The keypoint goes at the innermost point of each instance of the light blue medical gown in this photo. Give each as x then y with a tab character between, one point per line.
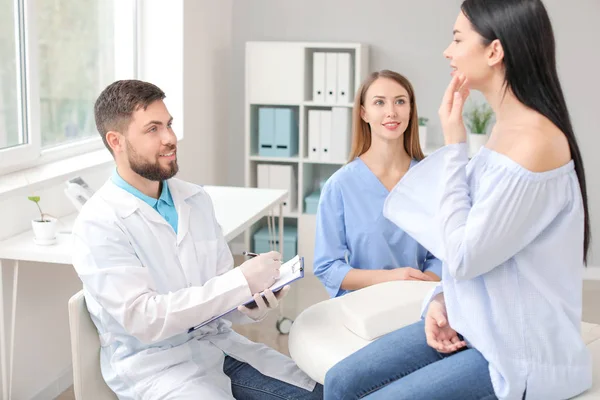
350	222
511	242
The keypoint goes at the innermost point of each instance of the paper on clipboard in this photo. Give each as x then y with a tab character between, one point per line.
289	272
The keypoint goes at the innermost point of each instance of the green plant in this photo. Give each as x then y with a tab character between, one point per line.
36	200
423	121
478	118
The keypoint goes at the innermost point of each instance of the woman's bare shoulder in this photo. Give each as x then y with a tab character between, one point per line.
540	148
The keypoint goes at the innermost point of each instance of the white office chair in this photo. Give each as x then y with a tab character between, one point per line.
88	383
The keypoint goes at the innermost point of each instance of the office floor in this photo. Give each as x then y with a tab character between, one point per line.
309	291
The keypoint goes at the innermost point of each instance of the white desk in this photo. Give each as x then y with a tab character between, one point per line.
236	209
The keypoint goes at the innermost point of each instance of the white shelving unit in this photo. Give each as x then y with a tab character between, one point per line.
280	74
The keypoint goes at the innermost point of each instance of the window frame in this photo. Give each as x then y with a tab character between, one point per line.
126	15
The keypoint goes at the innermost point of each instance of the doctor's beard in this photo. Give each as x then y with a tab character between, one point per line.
151	171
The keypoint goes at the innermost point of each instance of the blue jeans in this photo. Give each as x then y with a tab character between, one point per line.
400	365
249	384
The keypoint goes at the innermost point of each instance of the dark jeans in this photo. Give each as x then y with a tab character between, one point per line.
249	384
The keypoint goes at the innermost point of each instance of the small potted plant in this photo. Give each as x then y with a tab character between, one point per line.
44	228
477	120
423	132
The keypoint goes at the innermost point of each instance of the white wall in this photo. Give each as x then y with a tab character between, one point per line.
577	31
409	37
161	52
207	109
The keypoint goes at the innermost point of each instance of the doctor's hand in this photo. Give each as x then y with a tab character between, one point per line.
262	308
261	271
438	332
408	274
451	110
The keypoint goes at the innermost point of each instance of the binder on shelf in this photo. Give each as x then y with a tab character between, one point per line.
340	133
275	176
284	177
331	78
266	131
314	133
262	176
286	133
344	78
325	139
319	77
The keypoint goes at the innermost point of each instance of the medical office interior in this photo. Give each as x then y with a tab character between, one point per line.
242	80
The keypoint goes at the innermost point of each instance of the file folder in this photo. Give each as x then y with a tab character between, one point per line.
266	131
319	77
314	133
283	177
262	176
331	78
340	133
275	176
326	142
286	133
344	79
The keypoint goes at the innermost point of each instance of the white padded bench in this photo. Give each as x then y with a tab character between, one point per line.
328	332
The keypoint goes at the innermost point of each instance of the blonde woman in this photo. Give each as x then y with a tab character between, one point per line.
356	246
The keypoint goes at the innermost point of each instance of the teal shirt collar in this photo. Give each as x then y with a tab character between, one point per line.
165	194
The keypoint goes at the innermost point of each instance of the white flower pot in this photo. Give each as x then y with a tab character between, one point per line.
44	233
423	137
476	141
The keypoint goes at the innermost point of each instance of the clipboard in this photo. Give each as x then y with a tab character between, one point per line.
290	271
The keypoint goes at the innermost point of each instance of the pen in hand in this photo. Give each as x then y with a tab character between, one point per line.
252	255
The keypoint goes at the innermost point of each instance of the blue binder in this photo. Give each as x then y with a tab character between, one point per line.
266	132
286	132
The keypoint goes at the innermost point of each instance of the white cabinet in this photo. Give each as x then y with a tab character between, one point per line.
299	76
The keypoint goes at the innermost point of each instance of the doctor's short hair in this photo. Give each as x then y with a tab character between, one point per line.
117	103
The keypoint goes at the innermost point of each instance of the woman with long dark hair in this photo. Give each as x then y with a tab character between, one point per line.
511	226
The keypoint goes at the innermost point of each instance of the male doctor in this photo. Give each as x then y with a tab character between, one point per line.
154	263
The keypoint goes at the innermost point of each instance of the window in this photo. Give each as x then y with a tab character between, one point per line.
55	58
11	134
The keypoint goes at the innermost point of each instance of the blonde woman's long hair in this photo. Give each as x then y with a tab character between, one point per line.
361	131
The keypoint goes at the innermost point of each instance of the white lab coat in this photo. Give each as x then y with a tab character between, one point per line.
145	287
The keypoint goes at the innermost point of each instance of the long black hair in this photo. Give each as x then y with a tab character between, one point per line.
525	32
